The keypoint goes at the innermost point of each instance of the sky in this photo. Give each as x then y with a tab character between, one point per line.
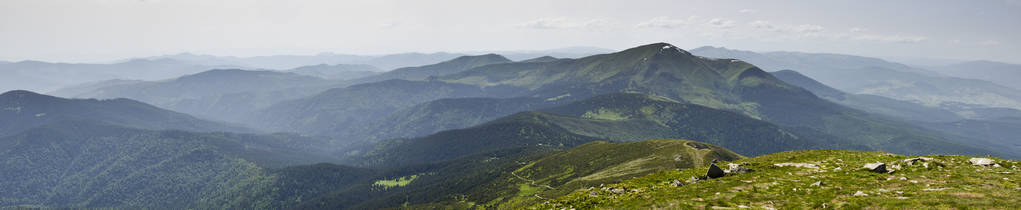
107	30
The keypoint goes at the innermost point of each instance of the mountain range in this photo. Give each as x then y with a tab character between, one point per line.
863	75
637	128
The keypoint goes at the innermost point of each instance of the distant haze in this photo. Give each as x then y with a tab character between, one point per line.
107	30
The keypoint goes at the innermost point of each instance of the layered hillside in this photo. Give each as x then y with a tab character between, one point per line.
225	94
23	110
86	164
617	117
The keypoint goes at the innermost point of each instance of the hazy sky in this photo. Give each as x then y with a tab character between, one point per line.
103	30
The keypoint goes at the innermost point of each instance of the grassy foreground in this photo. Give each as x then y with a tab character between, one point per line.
840	181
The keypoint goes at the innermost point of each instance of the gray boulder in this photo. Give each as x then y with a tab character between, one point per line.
877	167
981	161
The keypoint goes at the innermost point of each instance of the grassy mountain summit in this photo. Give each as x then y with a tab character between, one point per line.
21	110
819	179
596	163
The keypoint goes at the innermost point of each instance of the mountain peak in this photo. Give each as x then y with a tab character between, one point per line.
658	49
20	94
490	57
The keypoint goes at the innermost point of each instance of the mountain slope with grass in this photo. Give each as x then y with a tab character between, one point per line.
594	164
664	70
659	69
616	117
818	179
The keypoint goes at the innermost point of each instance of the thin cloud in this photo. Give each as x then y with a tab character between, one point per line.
722	23
565	23
666	23
989	43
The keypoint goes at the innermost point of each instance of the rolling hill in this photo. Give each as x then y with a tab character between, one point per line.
1000	73
45	76
659	69
87	164
863	75
616	117
23	110
337	71
439	69
870	103
224	94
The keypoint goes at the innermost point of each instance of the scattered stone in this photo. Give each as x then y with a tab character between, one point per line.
816	184
895	167
593	194
996	165
800	165
737	168
692	180
903	178
714	171
912	161
981	161
676	183
877	167
617	190
860	194
935	189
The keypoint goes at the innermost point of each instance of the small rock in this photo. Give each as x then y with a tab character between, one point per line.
935	189
981	161
714	171
876	167
676	183
996	165
593	194
912	161
617	190
816	184
737	169
860	194
903	178
692	180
